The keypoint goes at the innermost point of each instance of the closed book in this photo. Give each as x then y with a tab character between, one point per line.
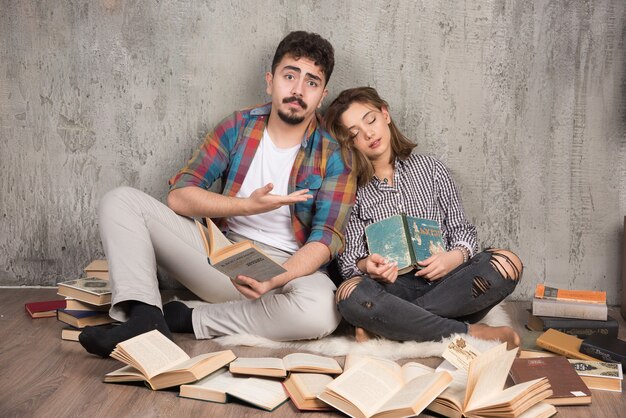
581	328
589	296
605	348
44	309
563	344
70	333
81	319
567	387
599	375
79	305
568	309
89	289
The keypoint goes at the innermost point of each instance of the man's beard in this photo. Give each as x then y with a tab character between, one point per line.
292	119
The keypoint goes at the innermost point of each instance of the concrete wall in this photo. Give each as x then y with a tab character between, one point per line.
523	100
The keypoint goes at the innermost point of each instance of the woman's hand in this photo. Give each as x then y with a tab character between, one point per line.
379	268
438	265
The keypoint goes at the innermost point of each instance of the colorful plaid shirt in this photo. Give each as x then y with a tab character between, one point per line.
226	155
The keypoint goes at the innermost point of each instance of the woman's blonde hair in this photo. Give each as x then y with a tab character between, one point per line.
401	146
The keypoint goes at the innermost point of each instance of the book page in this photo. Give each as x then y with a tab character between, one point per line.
412	370
266	393
310	362
368	385
310	384
217	240
455	392
421	391
220	381
152	353
487	374
507	395
257	363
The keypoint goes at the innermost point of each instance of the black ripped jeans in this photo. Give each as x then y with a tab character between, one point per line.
412	308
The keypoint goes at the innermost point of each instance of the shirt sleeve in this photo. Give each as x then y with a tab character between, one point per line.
460	231
333	204
211	159
356	247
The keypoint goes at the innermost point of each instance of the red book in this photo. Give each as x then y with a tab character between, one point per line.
44	309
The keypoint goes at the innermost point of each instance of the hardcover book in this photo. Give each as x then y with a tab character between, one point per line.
405	240
156	360
223	387
276	367
569	309
605	348
234	259
82	319
586	296
97	268
567	387
44	309
580	328
92	290
599	374
563	344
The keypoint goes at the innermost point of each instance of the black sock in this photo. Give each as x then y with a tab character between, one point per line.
178	316
142	318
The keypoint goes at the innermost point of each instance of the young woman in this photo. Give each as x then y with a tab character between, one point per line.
454	289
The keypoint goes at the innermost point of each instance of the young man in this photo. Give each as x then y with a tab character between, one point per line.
284	186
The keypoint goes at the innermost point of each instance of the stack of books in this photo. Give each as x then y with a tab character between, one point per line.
87	301
581	313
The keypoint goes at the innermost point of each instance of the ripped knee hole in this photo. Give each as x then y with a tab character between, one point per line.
507	264
346	288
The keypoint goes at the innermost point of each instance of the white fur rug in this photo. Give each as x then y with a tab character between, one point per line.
342	342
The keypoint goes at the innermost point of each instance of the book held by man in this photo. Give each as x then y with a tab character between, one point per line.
156	360
239	258
405	240
276	367
222	387
480	391
377	388
89	289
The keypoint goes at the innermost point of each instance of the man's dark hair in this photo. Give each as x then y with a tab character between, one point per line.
308	45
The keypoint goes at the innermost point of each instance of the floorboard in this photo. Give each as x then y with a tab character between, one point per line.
44	376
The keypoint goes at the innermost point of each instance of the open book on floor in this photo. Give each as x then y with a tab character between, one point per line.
304	388
158	361
276	367
405	240
221	386
239	258
381	388
480	391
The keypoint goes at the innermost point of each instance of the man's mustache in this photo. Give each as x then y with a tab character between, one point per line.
295	99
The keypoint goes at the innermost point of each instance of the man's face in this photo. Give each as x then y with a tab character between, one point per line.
297	88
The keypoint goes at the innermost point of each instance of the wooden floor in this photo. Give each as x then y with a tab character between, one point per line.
43	376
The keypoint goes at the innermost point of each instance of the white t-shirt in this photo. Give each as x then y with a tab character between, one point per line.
269	165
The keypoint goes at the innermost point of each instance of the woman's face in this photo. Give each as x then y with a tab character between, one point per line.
368	129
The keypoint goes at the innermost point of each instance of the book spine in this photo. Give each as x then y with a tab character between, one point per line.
585	332
407	235
558	350
581	328
603	354
574	310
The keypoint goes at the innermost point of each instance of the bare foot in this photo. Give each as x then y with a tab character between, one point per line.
504	334
361	335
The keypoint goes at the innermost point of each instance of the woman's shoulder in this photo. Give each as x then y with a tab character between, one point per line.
425	162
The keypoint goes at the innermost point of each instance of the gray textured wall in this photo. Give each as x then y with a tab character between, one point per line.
524	100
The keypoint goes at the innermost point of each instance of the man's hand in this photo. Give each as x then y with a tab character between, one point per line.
250	288
438	265
379	268
261	201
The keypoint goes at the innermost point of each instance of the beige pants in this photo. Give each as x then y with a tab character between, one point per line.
138	233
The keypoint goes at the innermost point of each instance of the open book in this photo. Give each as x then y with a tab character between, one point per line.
381	388
239	258
266	394
404	239
160	363
276	367
304	388
480	390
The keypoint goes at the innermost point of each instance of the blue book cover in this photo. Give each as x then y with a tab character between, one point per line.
405	240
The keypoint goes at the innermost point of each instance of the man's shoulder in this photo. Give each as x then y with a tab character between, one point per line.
256	111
